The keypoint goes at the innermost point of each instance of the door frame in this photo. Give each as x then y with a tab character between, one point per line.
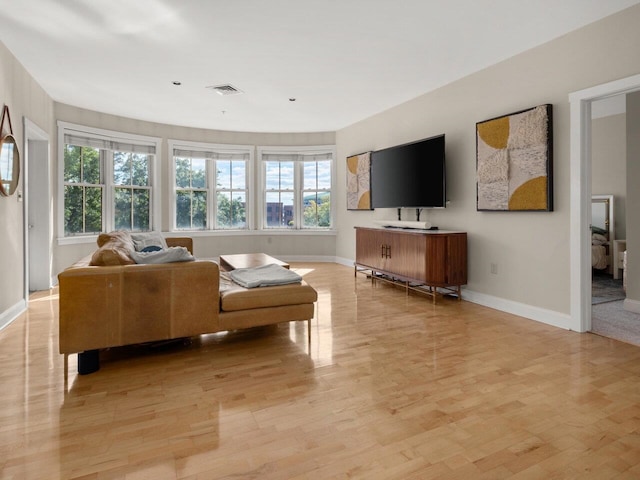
580	194
33	132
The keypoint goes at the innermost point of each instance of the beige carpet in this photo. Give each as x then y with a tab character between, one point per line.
611	320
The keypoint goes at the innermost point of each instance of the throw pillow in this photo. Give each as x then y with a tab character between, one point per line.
168	255
148	239
114	249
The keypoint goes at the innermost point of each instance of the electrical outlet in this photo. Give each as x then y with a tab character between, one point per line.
494	268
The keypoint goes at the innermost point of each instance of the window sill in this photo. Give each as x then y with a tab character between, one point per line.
236	233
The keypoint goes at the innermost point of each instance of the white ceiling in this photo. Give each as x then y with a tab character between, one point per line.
342	60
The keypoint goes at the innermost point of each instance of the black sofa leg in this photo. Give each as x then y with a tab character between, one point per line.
88	362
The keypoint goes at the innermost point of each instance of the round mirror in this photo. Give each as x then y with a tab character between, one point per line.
9	165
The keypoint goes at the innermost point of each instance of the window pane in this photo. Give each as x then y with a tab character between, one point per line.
141	210
72	163
183	209
93	210
191	172
73	211
231	212
183	172
279	209
223	174
317	175
272	175
287	205
121	168
131	168
122	205
140	169
91	166
286	176
317	209
310	176
324	174
199	210
82	210
239	175
198	173
279	175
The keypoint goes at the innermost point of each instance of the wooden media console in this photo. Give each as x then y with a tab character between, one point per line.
421	260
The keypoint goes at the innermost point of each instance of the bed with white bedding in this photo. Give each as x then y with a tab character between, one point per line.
600	248
602	233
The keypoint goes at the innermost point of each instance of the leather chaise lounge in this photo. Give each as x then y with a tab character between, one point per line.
115	302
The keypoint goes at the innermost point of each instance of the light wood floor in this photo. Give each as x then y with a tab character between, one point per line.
392	387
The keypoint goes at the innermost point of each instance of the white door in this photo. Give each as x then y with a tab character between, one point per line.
38	209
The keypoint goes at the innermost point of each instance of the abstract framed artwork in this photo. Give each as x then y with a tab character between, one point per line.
359	182
514	161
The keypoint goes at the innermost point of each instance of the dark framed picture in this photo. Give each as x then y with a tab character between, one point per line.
514	161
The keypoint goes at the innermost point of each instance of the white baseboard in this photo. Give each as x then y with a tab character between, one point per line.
631	305
344	261
12	313
550	317
306	258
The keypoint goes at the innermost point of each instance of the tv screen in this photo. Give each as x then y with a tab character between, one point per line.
410	175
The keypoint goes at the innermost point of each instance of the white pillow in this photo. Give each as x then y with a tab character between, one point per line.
148	239
168	255
597	239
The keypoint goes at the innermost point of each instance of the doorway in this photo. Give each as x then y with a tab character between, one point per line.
581	177
37	209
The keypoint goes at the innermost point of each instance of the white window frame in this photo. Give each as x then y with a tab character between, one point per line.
211	185
298	186
155	198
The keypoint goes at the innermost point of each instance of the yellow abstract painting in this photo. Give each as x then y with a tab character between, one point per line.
514	161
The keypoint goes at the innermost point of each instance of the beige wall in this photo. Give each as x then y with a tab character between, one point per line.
212	245
609	165
633	201
531	249
25	98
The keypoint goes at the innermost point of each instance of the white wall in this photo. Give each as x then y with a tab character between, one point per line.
531	249
609	165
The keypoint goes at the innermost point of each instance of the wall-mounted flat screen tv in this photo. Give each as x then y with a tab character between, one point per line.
411	175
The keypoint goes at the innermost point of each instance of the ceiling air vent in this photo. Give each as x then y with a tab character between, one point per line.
225	89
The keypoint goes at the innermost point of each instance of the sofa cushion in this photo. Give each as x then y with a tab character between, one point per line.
233	297
114	249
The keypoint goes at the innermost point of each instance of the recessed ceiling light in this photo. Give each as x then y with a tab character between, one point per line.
292	99
176	83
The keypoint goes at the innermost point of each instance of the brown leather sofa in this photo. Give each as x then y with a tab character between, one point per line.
123	304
